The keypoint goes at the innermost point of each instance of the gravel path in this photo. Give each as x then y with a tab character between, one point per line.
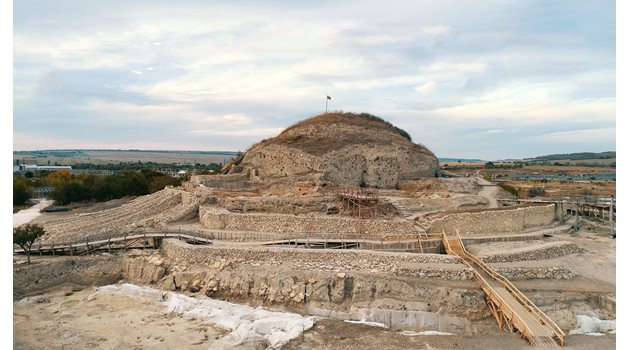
488	191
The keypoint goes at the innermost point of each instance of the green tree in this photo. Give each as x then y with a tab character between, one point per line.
22	191
25	236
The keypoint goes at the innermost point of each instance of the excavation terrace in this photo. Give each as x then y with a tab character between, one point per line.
362	229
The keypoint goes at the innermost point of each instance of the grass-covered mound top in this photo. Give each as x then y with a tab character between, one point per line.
349	118
333	131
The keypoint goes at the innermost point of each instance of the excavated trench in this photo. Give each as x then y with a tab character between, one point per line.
403	303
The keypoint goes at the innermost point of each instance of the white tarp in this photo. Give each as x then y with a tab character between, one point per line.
413	334
590	325
246	323
368	323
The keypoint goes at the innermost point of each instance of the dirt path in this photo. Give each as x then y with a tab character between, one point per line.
488	191
25	216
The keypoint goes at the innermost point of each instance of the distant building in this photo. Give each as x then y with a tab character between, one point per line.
33	167
101	172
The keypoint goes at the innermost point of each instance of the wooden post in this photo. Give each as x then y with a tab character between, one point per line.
87	247
53	248
610	215
144	241
40	248
109	245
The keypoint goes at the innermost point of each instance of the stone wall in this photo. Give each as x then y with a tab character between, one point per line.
222	219
548	250
400	302
231	181
403	264
361	165
281	205
497	220
528	273
285	161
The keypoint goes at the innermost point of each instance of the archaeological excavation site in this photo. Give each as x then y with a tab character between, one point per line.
342	222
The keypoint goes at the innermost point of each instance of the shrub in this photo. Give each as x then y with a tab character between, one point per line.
22	192
535	192
509	189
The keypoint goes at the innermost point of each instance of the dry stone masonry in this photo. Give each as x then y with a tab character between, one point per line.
404	264
498	220
221	219
542	251
529	273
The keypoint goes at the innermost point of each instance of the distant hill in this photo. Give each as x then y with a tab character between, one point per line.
575	156
462	160
70	152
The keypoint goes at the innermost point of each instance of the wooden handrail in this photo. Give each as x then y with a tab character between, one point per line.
514	291
126	238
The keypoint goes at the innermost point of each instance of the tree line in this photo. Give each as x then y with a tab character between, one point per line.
68	188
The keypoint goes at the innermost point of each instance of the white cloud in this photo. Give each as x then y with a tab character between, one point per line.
593	136
437	30
425	88
260	132
233	66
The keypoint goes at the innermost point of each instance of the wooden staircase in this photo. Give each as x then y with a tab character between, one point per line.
511	308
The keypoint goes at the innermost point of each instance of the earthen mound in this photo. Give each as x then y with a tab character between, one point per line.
346	149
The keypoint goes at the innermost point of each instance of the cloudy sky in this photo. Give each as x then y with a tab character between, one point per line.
477	79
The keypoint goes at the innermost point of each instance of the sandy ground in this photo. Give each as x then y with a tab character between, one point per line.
596	264
73	321
334	335
76	320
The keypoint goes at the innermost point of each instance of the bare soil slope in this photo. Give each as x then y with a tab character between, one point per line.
347	149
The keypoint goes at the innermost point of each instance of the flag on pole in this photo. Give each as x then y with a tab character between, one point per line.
328	98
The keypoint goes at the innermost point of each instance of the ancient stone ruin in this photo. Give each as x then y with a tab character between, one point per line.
345	149
284	232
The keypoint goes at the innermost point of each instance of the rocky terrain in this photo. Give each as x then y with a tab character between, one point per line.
346	149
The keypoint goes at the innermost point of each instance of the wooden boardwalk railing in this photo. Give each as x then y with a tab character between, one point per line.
141	240
511	308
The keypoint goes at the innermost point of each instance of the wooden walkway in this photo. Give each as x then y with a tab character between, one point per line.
142	240
511	308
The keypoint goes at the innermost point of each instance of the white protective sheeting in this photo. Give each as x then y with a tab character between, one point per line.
246	323
590	325
413	334
368	323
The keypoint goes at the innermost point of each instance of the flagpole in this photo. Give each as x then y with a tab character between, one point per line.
326	104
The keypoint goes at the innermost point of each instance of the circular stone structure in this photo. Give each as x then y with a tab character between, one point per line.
347	149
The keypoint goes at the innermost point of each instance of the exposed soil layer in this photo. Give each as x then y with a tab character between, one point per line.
332	334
